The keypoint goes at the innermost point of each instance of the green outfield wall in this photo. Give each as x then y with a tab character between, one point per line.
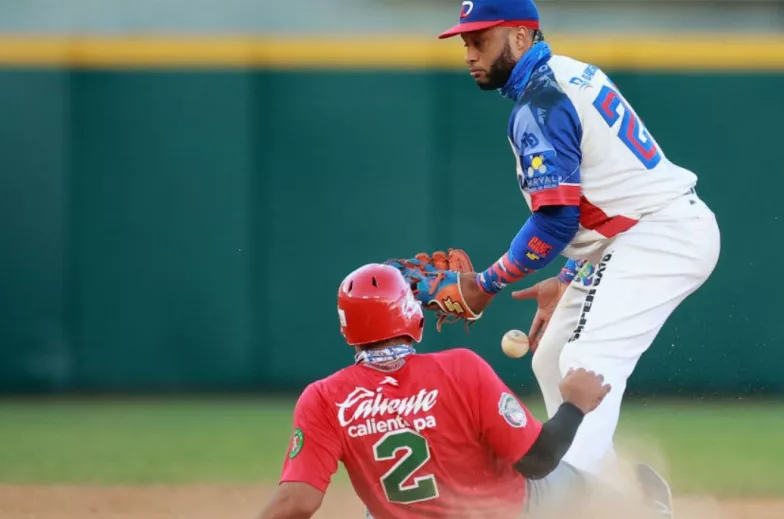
174	227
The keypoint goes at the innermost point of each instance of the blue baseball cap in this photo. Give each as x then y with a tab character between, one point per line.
477	15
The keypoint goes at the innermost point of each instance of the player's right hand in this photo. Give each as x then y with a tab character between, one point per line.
584	389
547	293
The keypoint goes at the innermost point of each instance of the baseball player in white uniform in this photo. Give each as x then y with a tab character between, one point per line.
602	193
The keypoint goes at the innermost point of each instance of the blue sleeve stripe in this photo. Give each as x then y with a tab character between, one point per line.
543	237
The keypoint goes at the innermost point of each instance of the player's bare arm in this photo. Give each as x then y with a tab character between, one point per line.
310	462
293	501
582	392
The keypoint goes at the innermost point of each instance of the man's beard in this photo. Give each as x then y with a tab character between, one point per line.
500	71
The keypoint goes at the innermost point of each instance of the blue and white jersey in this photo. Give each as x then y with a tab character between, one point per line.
577	141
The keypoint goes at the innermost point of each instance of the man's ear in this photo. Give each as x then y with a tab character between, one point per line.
523	39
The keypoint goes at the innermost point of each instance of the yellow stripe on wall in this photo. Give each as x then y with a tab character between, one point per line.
388	52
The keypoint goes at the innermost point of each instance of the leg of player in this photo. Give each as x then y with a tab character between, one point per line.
655	489
647	272
545	362
569	492
555	495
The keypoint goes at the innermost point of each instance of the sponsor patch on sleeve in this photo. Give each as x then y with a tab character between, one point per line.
297	439
540	171
512	411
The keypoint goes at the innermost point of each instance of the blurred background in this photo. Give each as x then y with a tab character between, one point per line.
182	190
183	185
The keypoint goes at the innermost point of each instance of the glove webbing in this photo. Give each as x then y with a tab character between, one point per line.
443	317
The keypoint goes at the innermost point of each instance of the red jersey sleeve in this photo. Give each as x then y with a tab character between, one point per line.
505	424
315	449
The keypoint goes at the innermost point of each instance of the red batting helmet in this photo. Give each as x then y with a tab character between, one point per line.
375	303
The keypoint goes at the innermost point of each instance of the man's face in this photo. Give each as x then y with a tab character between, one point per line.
491	55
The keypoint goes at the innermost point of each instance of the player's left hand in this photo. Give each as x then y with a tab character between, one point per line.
547	293
437	283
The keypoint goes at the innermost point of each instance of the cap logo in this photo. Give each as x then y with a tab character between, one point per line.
465	8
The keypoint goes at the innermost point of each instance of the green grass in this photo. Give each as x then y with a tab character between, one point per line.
147	442
719	448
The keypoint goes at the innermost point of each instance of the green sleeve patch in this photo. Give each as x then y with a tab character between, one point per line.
297	439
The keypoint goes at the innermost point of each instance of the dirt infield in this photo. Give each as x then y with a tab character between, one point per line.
222	502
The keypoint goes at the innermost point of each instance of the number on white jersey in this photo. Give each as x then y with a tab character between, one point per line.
632	132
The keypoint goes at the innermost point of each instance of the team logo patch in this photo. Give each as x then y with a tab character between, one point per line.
539	169
512	411
297	439
466	8
584	274
537	164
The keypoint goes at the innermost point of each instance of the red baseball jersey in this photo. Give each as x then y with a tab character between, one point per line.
434	439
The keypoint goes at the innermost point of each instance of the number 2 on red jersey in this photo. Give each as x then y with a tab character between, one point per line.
416	453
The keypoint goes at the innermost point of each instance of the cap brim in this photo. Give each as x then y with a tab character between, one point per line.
462	28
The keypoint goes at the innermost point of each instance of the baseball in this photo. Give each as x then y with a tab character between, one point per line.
514	344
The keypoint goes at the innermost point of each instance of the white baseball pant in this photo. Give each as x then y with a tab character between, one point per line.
642	276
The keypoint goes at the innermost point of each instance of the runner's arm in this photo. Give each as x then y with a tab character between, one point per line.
310	462
293	501
554	440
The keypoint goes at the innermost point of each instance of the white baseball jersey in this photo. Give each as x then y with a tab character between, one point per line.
577	141
651	242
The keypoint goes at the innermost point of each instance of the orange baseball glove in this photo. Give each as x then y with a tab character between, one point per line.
434	279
